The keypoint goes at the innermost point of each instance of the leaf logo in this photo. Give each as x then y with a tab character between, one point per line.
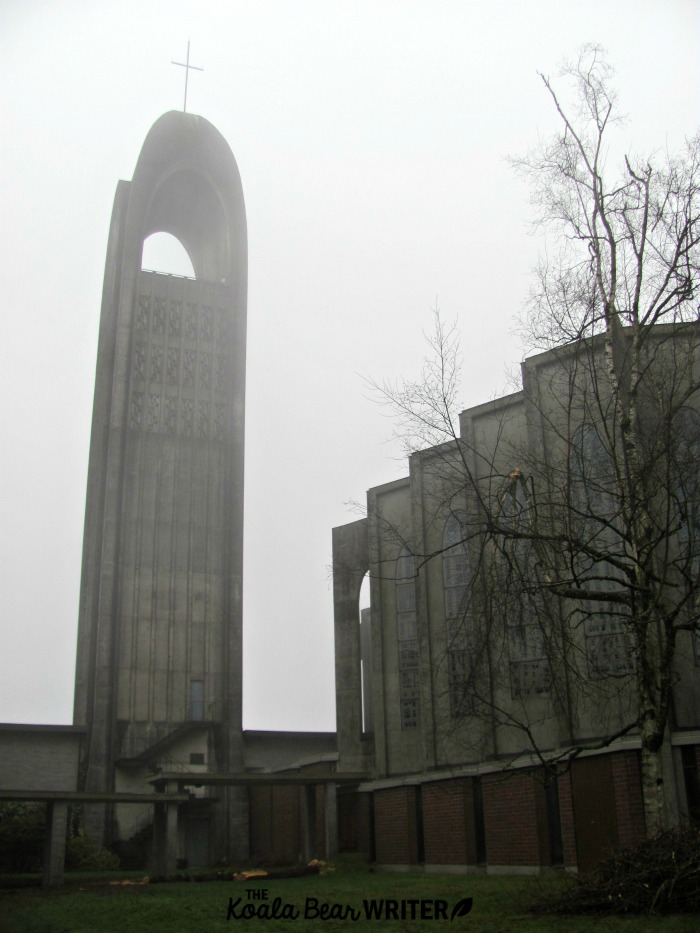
462	908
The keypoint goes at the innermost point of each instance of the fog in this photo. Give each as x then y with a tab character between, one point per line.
372	139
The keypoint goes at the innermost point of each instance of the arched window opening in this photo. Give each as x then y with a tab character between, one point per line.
366	656
162	252
407	629
458	617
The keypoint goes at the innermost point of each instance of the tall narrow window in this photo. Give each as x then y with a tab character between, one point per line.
686	493
530	672
608	643
366	669
196	699
408	638
458	619
592	477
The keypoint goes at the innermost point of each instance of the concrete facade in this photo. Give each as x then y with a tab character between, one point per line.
288	785
43	759
456	782
159	640
40	758
422	776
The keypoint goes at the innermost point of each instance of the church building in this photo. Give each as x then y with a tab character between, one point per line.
497	724
452	695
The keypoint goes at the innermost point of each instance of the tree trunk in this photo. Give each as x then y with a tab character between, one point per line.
653	788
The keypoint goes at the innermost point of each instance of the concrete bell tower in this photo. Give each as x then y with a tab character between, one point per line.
159	639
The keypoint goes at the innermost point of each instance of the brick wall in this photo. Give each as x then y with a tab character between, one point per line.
513	820
516	822
448	823
395	826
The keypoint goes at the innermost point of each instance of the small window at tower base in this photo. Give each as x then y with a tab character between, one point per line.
196	699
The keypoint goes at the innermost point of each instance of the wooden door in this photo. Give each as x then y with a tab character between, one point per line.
595	819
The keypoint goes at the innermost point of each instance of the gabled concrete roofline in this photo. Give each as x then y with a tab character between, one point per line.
485	408
344	528
660	330
438	449
390	486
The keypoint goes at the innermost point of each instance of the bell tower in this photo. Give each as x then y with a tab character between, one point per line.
159	638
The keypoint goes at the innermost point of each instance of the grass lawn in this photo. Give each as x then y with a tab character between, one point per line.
499	904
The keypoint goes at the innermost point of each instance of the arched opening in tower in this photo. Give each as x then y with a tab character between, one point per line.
163	252
365	655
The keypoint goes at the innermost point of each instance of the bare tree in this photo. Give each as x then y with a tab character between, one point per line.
583	529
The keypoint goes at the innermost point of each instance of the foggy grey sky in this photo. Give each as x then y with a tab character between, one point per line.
371	139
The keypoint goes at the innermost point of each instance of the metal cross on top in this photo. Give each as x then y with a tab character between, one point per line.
186	65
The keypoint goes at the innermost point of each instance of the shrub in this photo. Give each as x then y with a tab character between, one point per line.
662	875
22	832
82	854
